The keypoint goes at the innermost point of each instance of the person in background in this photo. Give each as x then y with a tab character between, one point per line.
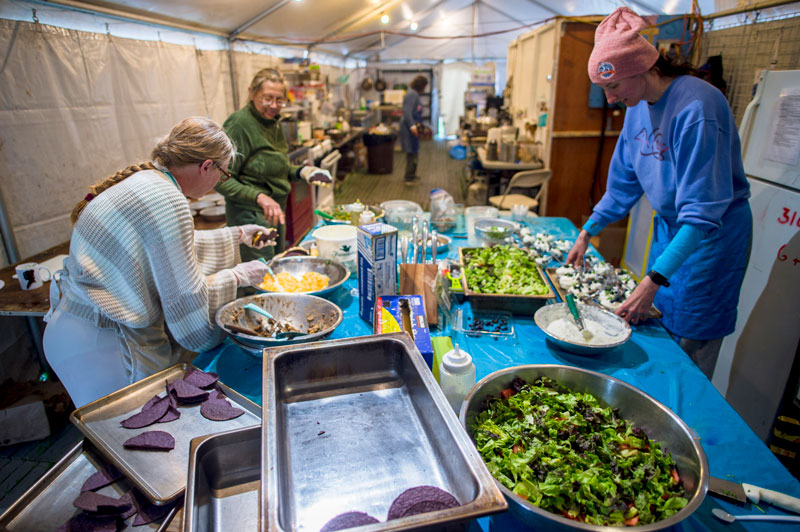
680	147
411	126
261	171
140	287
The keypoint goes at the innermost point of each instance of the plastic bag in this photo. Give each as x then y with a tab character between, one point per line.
458	152
443	210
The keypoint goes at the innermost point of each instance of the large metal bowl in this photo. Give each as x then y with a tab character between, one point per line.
299	265
658	421
299	310
611	324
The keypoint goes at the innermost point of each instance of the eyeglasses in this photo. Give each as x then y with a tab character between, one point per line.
225	174
269	100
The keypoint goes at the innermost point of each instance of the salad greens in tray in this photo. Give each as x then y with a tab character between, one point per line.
502	269
563	452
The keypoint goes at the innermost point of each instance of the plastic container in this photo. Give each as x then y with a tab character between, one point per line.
400	213
366	217
473	213
338	242
456	376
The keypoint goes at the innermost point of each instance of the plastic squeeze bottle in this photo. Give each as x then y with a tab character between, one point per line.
456	376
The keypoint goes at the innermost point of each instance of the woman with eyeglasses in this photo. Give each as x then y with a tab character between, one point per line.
140	287
262	173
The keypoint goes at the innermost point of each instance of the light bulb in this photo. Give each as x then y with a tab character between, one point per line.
414	26
385	18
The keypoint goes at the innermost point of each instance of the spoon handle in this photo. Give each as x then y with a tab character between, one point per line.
782	518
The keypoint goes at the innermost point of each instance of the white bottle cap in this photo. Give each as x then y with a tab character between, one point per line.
456	361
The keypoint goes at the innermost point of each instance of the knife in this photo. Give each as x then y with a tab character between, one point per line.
740	493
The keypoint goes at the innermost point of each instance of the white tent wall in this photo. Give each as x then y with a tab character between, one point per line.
455	78
77	106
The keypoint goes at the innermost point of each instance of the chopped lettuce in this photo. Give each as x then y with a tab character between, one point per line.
503	270
564	452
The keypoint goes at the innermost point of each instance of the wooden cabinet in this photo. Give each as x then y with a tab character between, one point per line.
550	88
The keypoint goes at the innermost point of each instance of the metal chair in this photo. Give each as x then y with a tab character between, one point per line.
526	179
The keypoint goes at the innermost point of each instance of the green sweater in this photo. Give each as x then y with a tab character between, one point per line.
261	164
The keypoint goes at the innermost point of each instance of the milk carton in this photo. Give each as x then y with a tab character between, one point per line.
377	266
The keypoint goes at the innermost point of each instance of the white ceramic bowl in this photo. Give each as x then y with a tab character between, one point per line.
615	328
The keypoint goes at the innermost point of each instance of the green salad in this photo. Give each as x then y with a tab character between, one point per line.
563	452
502	270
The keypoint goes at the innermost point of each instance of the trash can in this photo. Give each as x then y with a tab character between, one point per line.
380	153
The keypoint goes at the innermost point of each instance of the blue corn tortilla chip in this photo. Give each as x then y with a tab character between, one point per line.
201	379
348	520
219	410
104	477
171	415
187	393
412	499
151	412
84	522
153	440
149	512
100	504
128	497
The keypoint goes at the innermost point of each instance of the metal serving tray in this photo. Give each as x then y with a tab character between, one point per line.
48	503
355	422
518	304
224	484
160	476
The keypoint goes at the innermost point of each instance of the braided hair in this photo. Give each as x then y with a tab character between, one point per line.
193	140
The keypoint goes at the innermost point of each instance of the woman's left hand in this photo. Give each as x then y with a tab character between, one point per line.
315	176
257	236
637	307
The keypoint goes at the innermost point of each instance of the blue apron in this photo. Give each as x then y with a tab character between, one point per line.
701	301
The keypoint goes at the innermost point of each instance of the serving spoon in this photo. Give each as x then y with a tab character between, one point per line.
573	308
722	515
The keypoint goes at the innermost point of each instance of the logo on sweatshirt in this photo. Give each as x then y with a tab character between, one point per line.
605	70
652	143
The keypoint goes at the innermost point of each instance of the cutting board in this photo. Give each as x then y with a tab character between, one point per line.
420	279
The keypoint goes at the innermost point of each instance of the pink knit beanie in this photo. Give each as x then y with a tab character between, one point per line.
619	51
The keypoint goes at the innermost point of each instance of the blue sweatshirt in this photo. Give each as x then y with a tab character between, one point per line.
683	152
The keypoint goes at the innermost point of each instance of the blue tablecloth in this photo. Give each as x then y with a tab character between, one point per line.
651	361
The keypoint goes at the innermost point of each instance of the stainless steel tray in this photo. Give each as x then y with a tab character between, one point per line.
160	476
48	503
355	422
224	483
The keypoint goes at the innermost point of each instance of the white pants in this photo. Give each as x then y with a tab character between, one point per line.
87	359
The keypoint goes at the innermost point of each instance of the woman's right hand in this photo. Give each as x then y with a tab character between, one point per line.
578	251
272	210
250	273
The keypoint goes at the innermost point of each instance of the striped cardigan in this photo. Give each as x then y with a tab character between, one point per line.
135	260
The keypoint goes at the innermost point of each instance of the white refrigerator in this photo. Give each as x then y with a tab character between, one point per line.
754	361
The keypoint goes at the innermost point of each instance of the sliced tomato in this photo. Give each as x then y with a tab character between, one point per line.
505	394
632	521
675	475
517	448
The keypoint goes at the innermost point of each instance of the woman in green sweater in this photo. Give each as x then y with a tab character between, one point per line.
261	171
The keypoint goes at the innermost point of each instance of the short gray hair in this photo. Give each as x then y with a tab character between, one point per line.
266	74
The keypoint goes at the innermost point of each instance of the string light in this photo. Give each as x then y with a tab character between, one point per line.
385	18
413	26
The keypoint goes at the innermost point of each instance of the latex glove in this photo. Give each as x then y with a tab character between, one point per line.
316	176
257	236
250	273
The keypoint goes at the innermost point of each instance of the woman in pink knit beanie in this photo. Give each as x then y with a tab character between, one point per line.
680	148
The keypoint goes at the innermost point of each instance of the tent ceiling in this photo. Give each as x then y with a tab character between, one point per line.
447	29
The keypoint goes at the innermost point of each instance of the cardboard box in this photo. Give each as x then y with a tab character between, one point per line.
377	266
404	313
